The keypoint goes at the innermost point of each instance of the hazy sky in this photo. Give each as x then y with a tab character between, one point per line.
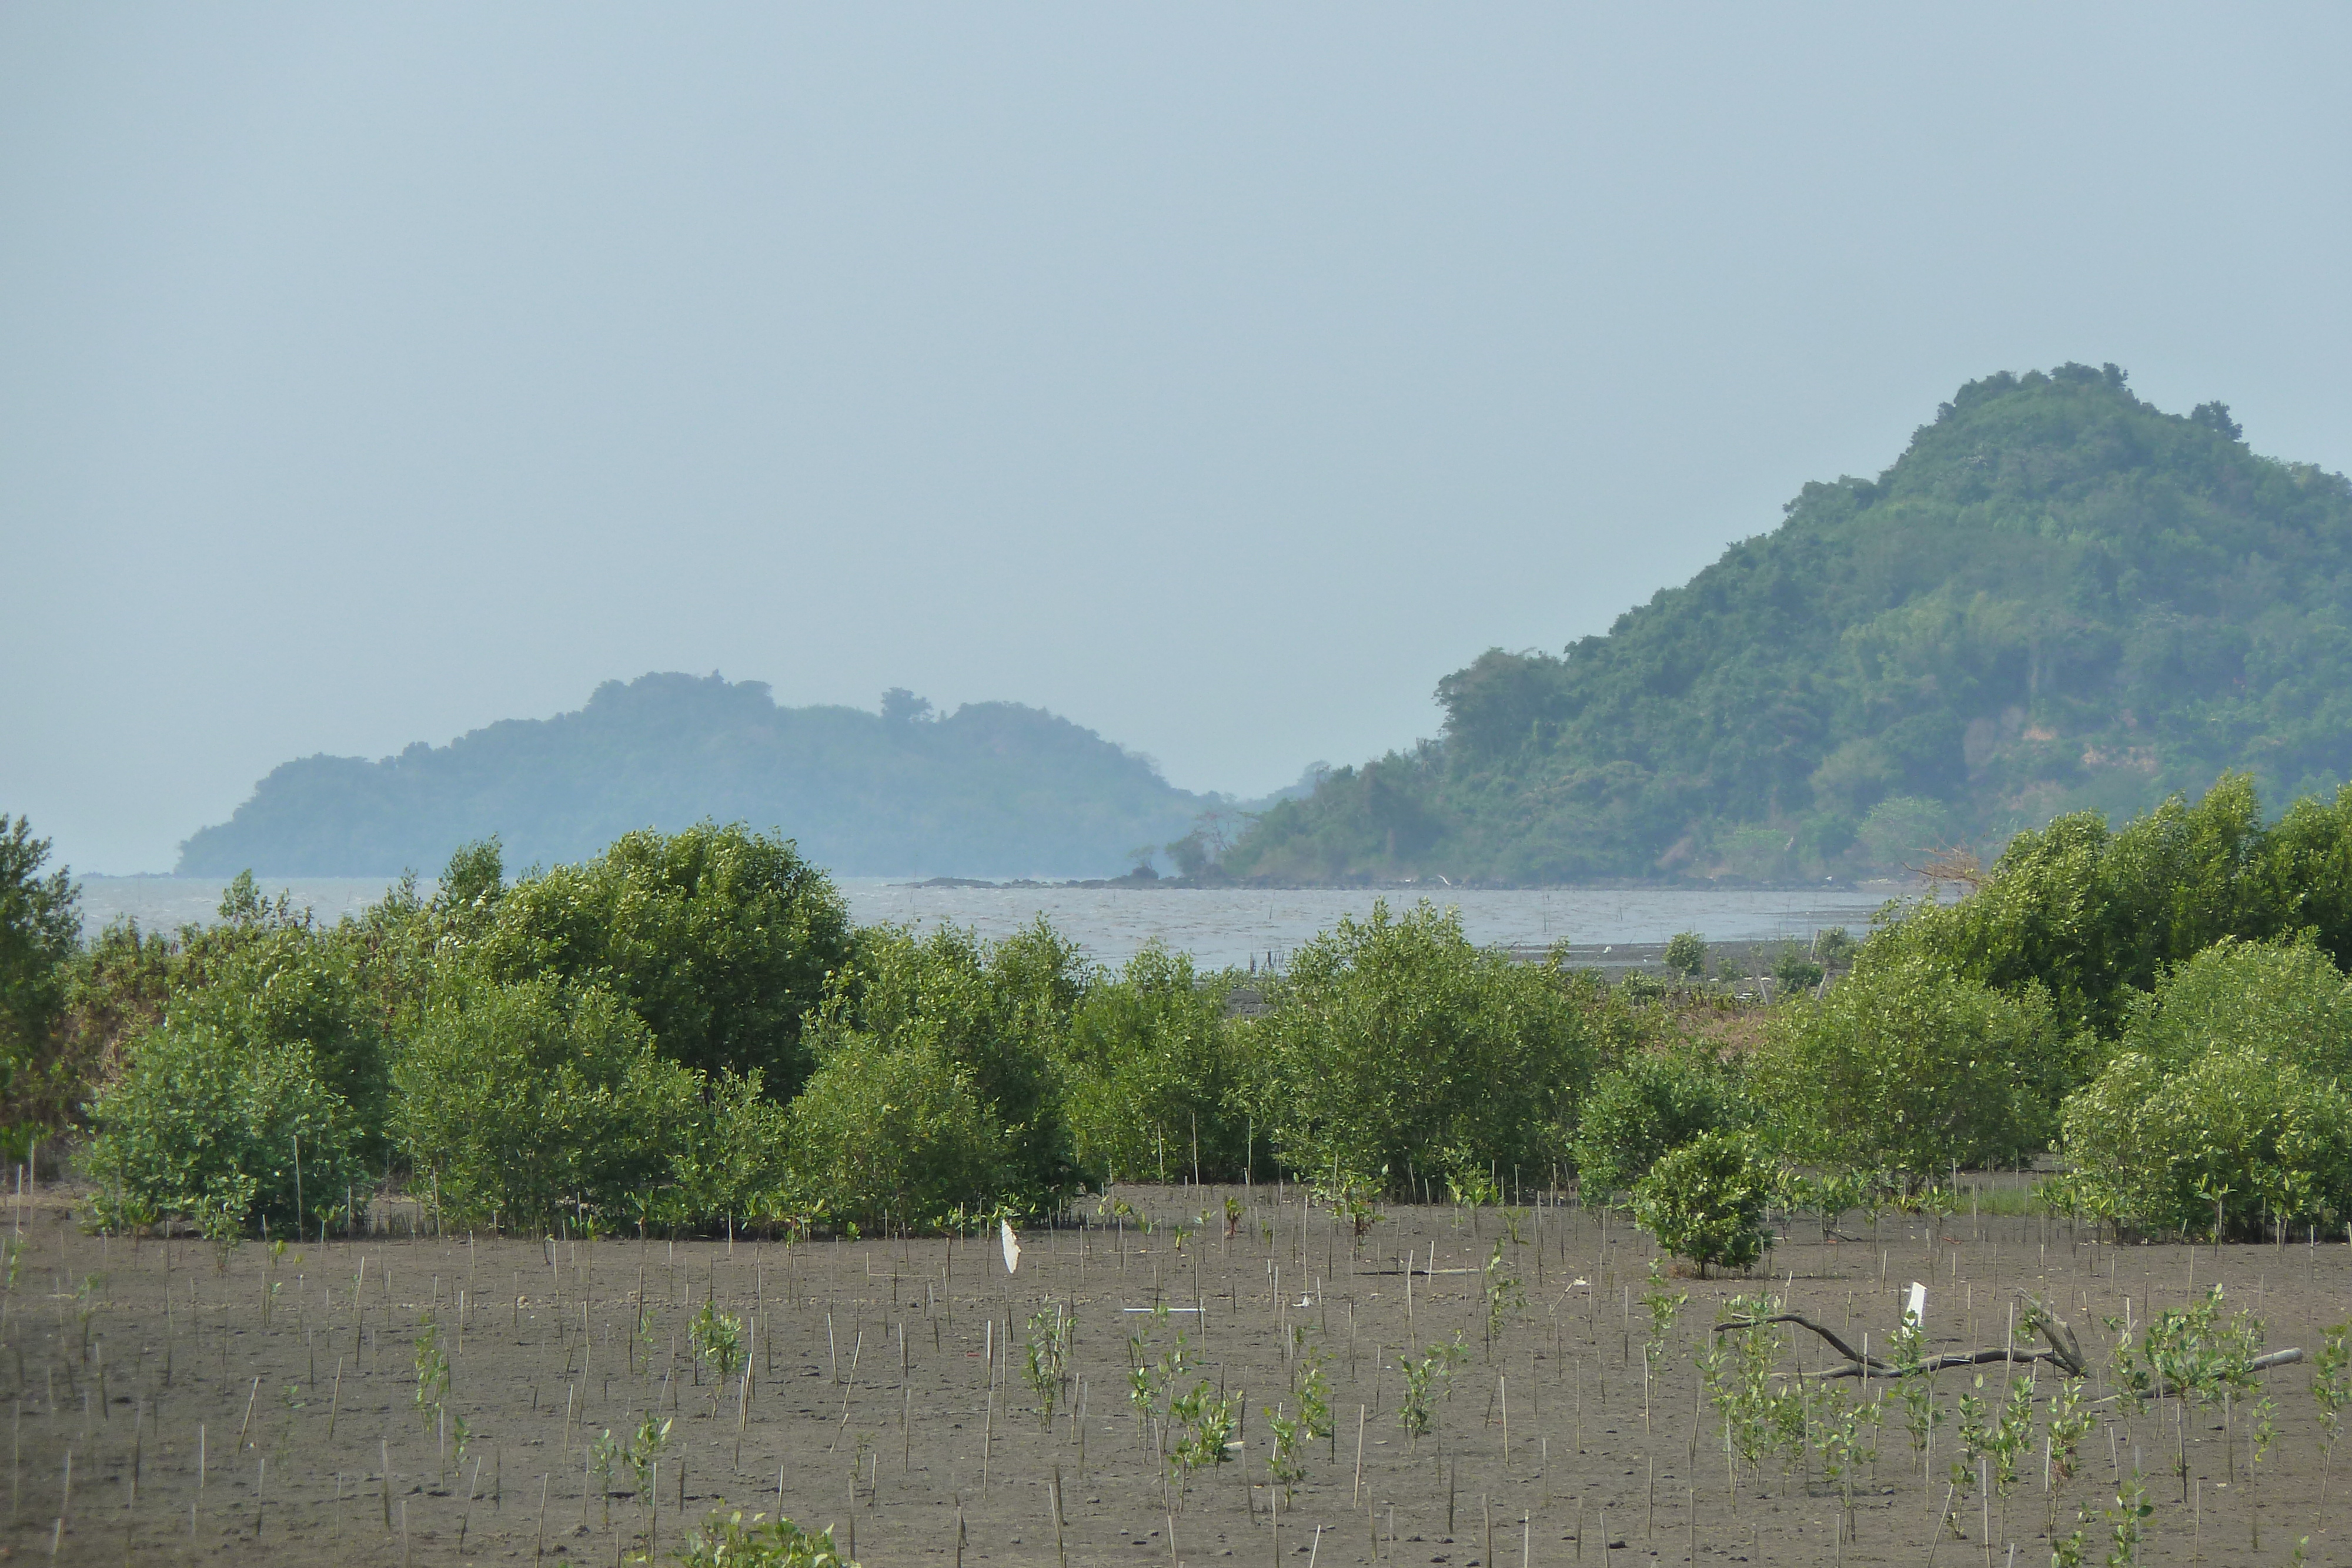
1219	377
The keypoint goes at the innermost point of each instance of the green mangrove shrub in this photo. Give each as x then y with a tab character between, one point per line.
1706	1201
1398	1048
719	938
995	1016
207	1126
526	1100
1152	1075
894	1133
2234	1141
1655	1102
1907	1067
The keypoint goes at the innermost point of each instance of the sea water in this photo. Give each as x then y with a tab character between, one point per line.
1218	927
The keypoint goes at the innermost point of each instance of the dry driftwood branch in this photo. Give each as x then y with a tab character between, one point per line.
2062	1349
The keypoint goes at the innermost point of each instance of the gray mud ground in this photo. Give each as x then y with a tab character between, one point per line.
179	1361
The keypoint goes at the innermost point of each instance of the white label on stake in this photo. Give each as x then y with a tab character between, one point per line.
1916	1308
1012	1247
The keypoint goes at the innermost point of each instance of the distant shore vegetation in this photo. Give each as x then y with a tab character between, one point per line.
686	1033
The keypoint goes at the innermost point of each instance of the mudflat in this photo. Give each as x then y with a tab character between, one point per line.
169	1402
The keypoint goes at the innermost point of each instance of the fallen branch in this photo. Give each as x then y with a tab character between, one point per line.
2062	1349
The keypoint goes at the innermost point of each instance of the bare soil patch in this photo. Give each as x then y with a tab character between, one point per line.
871	1405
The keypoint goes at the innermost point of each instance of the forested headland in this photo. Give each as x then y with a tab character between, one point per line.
2058	598
989	789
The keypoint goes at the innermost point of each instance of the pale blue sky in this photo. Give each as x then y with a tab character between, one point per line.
1217	376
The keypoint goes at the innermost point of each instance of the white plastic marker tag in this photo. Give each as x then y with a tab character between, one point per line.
1012	1247
1916	1308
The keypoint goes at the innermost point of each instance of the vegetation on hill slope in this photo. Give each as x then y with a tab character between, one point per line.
990	790
2059	597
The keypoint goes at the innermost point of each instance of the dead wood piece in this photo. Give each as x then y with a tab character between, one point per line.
2062	1349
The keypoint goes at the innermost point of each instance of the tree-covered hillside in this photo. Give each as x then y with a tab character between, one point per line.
2058	598
990	790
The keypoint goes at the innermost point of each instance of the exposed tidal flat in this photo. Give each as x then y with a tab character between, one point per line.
1217	926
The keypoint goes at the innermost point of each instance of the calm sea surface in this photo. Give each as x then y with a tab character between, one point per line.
1216	925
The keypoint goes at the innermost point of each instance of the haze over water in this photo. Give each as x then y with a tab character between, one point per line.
1217	926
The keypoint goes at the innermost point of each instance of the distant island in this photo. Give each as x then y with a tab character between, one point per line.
992	790
2059	597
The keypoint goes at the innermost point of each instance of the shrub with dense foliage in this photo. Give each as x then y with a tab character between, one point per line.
1152	1077
2226	1111
992	1017
2225	1146
1398	1049
212	1127
39	928
718	938
530	1099
896	1135
1706	1201
1907	1067
1656	1102
2094	915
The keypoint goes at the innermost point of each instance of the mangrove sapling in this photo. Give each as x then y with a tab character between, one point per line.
1425	1376
643	1456
2192	1351
717	1338
2013	1434
729	1541
1201	1421
1917	1395
1285	1465
1664	1304
2262	1431
1151	1388
2066	1423
1502	1292
1739	1377
1313	1389
1047	1358
1352	1200
432	1371
2331	1389
1843	1430
2127	1522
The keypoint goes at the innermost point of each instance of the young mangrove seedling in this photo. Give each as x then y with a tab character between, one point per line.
1502	1292
717	1339
2331	1389
1424	1378
728	1541
1048	1358
432	1371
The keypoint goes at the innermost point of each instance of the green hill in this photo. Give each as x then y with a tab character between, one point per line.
2059	596
990	790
